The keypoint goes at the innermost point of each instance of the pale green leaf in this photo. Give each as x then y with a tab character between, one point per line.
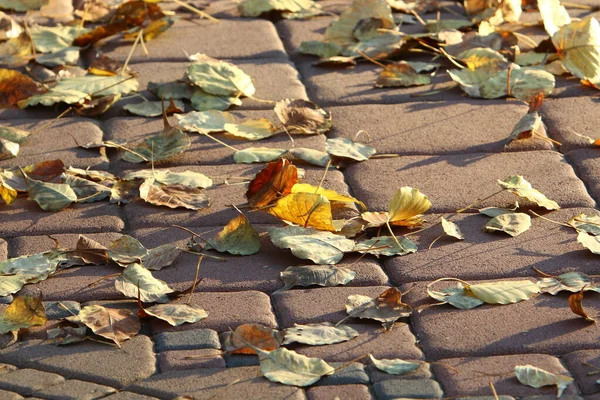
204	121
346	148
257	155
311	156
10	141
177	314
51	196
202	101
137	279
11	284
167	144
587	223
166	177
504	292
512	223
87	191
218	77
290	368
456	296
386	246
319	48
537	378
395	366
517	184
451	229
126	250
151	108
590	242
569	281
320	275
319	334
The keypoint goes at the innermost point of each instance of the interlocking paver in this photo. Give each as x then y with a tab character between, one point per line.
408	389
222	195
482	255
569	120
436	127
543	324
58	140
87	361
472	376
240	360
207	382
75	390
226	310
124	395
188	340
26	381
294	32
190	359
58	310
354	392
260	271
584	366
587	165
25	217
3	250
467	178
6	395
239	39
203	150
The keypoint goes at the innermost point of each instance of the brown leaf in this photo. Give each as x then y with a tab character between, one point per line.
174	196
14	87
271	183
45	171
257	335
302	116
117	325
575	302
91	251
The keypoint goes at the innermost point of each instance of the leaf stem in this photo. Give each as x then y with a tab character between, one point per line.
219	141
195	278
550	220
478	201
197	11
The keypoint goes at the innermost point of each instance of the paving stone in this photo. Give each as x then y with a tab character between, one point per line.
25	217
59	140
584	366
6	395
239	39
489	398
240	360
6	368
88	361
128	396
436	127
203	151
190	359
372	339
3	250
189	340
142	215
207	382
408	389
74	389
260	271
329	87
56	310
568	120
549	397
592	397
294	32
466	178
376	375
546	246
71	284
587	165
38	112
225	310
351	374
303	306
543	324
26	381
472	376
354	392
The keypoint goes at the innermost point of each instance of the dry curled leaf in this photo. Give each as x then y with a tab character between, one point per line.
23	312
537	378
117	325
387	308
272	182
302	117
575	303
15	87
518	185
319	334
259	336
395	366
237	237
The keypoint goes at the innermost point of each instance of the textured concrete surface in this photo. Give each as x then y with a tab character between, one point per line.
434	137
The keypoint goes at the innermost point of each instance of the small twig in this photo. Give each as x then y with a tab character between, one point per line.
550	220
435	240
190	231
371	59
324	175
219	141
137	40
47	124
494	391
477	202
195	279
197	11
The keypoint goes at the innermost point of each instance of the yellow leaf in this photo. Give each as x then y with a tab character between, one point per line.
406	207
305	209
333	196
23	312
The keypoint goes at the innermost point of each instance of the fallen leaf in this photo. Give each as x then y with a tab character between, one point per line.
586	223
405	209
307	243
154	108
204	121
341	31
575	303
537	378
257	155
173	196
169	143
290	368
331	195
529	125
272	182
51	196
7	193
400	74
252	129
395	366
451	229
309	210
255	8
517	184
160	257
320	275
86	191
176	314
91	251
311	156
16	87
318	334
126	250
237	237
202	101
302	117
512	223
23	312
70	330
259	336
135	278
569	281
21	5
386	246
456	296
386	308
10	141
320	49
117	325
504	292
218	77
166	177
495	211
346	148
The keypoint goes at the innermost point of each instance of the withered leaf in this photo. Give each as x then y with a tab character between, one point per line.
537	378
319	334
400	74
15	87
575	303
23	312
173	196
310	210
218	77
290	368
386	246
272	182
138	281
302	117
176	314
169	143
237	237
512	223
386	308
117	325
259	336
321	275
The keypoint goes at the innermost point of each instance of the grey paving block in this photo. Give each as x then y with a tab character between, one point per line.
467	178
468	126
482	255
240	360
583	365
204	383
189	340
239	39
190	359
6	395
124	395
422	372
6	299
349	375
73	390
25	217
26	381
472	376
226	190
549	397
294	32
354	392
59	310
408	389
569	120
587	165
225	310
329	87
38	112
203	151
260	271
543	324
87	361
58	140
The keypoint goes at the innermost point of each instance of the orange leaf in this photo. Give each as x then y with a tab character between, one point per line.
14	87
258	336
575	302
271	183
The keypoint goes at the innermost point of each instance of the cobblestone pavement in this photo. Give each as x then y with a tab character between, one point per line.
450	146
